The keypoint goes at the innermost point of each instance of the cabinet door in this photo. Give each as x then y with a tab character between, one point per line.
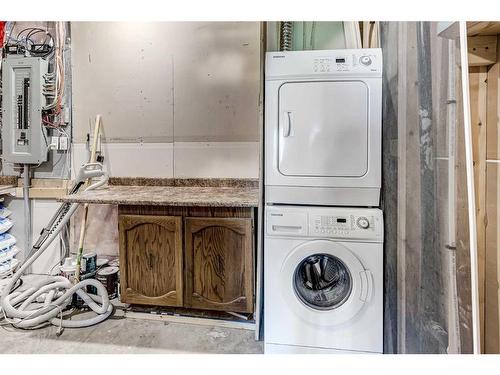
219	259
151	260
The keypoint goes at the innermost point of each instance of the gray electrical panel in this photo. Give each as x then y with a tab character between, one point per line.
24	137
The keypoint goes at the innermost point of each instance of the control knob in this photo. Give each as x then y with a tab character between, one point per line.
363	223
365	60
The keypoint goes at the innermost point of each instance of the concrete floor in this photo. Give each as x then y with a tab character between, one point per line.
130	336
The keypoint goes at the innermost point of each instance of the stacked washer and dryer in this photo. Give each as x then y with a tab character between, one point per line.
323	244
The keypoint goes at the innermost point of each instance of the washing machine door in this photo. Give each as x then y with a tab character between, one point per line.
324	283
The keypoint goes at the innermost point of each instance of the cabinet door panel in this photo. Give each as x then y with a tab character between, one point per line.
219	259
151	260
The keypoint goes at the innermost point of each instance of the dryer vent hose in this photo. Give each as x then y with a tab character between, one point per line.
286	35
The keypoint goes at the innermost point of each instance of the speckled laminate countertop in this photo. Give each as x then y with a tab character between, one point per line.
205	196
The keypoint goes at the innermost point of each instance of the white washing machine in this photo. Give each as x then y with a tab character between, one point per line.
323	280
323	114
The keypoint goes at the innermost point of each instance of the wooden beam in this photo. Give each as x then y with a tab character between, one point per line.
483	28
464	295
492	240
478	99
482	50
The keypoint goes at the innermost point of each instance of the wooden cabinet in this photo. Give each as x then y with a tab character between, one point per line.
151	260
218	256
198	258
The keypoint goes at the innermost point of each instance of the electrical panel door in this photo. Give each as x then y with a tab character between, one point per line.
24	138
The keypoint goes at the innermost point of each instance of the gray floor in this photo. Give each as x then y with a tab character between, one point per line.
126	335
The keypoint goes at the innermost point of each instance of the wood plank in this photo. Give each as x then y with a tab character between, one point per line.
389	36
464	296
492	271
492	235
483	28
402	103
411	243
493	119
432	319
478	98
482	50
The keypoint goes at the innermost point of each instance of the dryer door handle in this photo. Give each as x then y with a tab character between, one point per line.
366	286
288	128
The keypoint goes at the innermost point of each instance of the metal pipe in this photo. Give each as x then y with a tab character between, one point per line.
27	210
286	35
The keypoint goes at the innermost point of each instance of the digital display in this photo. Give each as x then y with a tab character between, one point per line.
341	220
340	60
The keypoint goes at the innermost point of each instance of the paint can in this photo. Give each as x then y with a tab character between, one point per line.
90	262
90	288
102	262
68	269
108	276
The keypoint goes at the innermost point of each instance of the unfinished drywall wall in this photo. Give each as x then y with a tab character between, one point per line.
166	81
178	97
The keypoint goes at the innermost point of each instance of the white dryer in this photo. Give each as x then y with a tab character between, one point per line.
323	127
323	280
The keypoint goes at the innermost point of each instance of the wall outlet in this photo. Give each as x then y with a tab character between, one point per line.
63	143
54	143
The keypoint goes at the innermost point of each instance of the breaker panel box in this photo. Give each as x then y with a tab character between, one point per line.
24	138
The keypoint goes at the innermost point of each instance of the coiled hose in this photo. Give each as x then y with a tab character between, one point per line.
46	299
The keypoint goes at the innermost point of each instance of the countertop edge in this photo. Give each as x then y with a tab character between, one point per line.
249	197
164	203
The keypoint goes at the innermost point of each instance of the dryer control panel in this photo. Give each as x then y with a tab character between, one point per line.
342	62
328	222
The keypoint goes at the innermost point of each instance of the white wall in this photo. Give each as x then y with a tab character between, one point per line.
180	159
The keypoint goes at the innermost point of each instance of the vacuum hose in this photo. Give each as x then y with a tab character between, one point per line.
46	299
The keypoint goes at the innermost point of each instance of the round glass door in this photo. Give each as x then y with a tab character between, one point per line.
322	282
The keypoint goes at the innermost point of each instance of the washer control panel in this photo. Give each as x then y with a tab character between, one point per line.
342	225
329	222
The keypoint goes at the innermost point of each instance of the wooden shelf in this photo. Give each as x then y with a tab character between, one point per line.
483	28
450	30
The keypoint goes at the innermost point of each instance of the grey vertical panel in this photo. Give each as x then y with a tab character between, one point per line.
389	37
